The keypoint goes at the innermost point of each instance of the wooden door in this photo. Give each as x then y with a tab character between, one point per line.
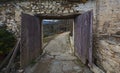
31	46
83	36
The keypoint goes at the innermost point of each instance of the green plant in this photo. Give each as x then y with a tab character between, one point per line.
32	63
7	41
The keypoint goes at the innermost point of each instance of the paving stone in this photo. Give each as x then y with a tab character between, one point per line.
56	67
65	57
76	68
55	53
67	66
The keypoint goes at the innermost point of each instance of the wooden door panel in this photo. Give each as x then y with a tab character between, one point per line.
31	45
83	36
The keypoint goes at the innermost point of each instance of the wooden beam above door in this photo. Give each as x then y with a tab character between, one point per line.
53	16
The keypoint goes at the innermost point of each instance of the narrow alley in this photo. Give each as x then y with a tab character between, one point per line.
59	58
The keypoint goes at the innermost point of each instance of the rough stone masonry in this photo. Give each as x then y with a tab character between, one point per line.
108	46
10	12
106	17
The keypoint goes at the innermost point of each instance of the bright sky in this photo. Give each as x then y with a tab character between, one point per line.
51	20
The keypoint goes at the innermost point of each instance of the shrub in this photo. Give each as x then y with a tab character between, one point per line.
7	41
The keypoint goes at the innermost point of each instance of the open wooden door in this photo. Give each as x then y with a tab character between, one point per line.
83	37
31	46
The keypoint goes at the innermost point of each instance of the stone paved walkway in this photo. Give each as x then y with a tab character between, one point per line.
59	58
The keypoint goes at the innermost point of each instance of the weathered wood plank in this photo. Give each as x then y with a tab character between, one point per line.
31	45
17	47
6	59
63	16
83	37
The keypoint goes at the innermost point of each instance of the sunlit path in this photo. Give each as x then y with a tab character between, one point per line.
59	58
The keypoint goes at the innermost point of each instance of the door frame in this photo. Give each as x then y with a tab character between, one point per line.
65	16
86	17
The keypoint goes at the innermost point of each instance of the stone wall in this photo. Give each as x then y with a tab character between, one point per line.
107	51
108	56
7	17
10	12
108	16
